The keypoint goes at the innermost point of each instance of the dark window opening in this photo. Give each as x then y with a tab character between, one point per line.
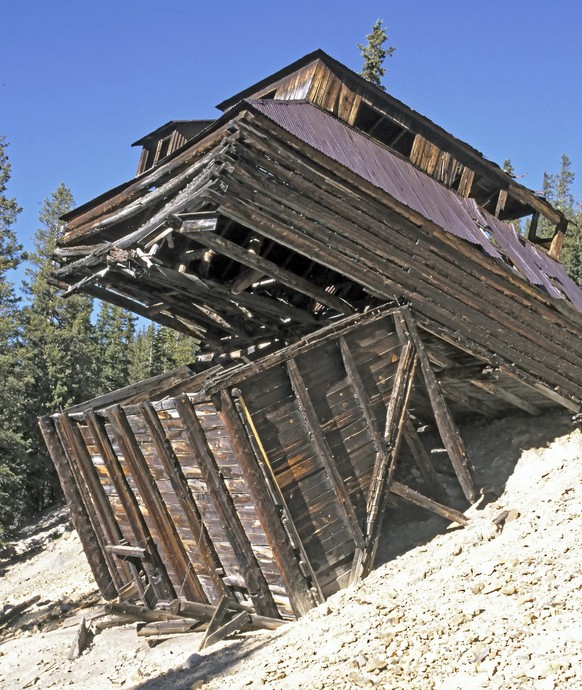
163	148
383	129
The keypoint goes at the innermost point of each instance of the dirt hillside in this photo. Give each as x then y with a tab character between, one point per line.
495	606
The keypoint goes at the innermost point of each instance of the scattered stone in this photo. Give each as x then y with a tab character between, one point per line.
375	664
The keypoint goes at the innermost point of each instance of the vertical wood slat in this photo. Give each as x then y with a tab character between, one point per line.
382	451
357	384
445	423
395	412
313	428
161	586
422	461
88	475
287	515
384	471
155	505
187	502
79	516
296	585
222	500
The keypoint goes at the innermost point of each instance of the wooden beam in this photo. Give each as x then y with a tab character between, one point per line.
79	516
187	502
558	239
533	226
271	518
422	461
501	201
160	585
445	423
155	505
266	267
205	612
256	583
313	429
382	477
82	463
476	404
386	451
245	280
499	392
417	499
146	389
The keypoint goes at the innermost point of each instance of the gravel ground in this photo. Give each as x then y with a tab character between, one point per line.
485	606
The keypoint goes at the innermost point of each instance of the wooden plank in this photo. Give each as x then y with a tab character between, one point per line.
205	612
299	592
83	462
517	373
430	236
103	571
82	638
217	620
382	476
235	624
124	551
445	423
12	613
185	498
155	505
313	429
264	266
222	500
419	500
422	461
168	628
498	391
160	586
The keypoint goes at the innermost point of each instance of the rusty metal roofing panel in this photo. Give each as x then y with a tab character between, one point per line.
415	189
378	165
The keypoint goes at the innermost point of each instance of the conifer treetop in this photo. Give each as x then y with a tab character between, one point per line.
374	54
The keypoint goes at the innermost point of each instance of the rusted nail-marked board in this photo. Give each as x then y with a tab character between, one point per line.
264	485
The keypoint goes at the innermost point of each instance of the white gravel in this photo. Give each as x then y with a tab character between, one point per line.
469	608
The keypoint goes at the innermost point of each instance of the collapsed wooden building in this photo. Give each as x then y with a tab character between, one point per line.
352	273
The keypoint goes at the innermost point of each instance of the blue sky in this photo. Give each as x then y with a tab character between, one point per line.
80	81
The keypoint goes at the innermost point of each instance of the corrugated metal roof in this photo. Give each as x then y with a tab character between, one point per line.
457	215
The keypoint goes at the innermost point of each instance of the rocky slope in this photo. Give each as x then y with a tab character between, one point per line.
494	606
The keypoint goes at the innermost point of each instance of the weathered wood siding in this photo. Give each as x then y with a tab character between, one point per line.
268	483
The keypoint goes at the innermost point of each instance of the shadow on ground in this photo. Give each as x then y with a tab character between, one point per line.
494	449
201	668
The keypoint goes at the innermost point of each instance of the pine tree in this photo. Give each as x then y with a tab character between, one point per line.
563	198
59	348
140	366
508	168
12	444
374	54
115	332
557	189
157	349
